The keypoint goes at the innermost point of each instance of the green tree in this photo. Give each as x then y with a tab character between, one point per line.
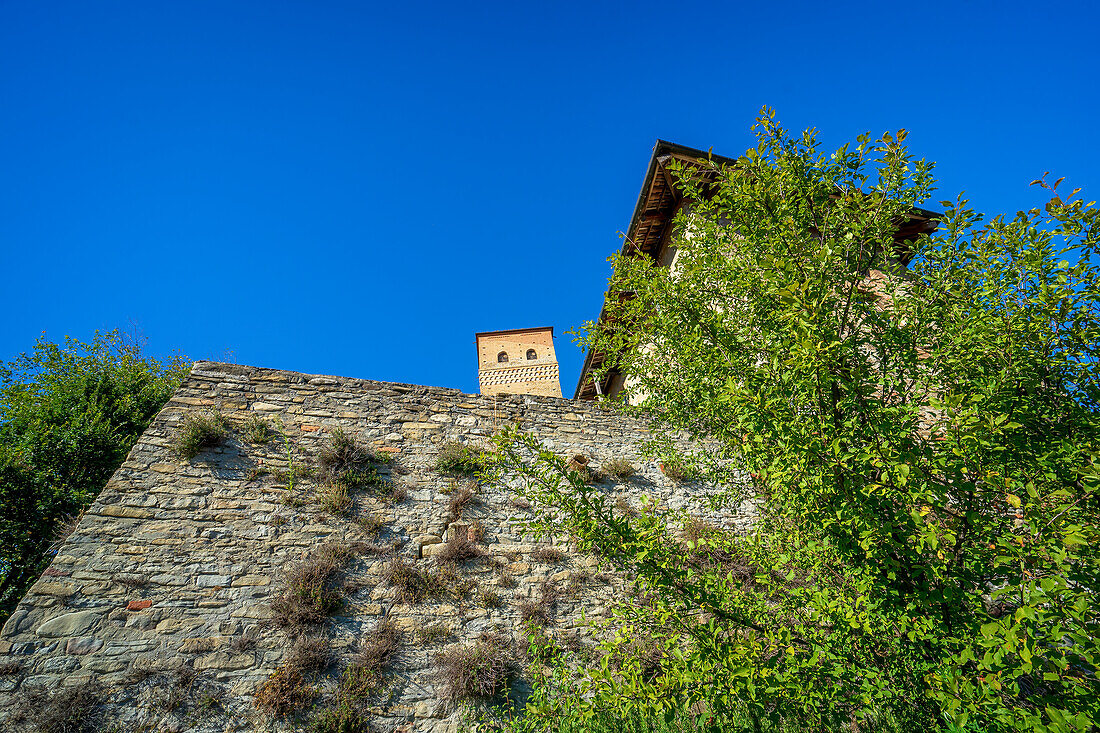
69	414
922	441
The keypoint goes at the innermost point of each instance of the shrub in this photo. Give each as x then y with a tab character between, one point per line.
411	584
456	458
459	549
284	693
367	671
489	599
257	431
619	468
73	709
69	414
541	648
311	592
201	431
474	671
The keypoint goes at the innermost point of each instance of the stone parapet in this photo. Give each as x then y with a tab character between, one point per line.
163	593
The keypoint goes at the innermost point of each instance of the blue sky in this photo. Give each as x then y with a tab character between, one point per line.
356	188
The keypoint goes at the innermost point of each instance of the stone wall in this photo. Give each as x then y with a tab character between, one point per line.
162	594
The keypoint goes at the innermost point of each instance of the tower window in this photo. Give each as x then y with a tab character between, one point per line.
531	355
502	357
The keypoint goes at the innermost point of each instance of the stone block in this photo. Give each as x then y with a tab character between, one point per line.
70	624
83	645
250	580
211	581
224	661
127	512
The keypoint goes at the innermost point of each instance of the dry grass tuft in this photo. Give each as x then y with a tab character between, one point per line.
539	612
677	469
619	468
73	709
475	671
708	546
131	580
626	509
489	599
459	549
333	498
343	717
548	554
460	500
310	654
432	634
371	523
645	653
341	453
245	641
393	492
413	585
534	612
367	672
312	591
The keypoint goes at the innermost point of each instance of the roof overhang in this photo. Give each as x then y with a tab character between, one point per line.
658	202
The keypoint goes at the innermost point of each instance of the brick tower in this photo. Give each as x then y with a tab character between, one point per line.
520	361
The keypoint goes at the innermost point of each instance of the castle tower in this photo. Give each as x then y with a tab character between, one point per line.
520	361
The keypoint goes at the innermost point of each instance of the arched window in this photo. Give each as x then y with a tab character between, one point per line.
531	355
502	357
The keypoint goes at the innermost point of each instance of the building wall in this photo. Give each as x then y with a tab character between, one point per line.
518	375
176	564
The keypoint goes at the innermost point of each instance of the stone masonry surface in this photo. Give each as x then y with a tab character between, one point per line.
162	594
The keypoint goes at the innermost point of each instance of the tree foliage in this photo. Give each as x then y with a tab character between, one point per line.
69	414
921	441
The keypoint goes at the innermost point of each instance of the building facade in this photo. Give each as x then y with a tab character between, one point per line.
519	361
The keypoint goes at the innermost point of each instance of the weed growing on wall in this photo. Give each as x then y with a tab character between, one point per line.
461	460
475	671
366	674
312	588
201	431
284	693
